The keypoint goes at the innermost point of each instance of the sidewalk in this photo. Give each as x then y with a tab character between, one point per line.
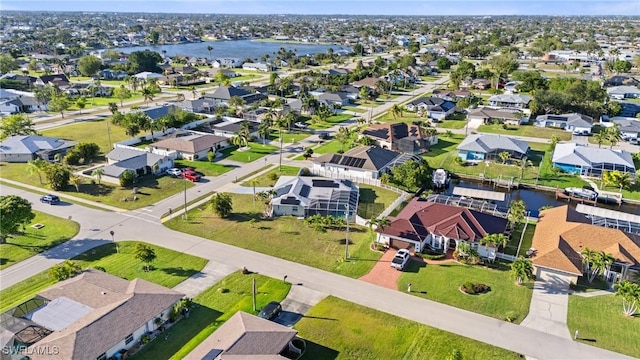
63	196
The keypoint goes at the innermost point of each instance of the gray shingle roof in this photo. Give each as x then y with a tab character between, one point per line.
513	99
573	119
485	143
30	144
574	154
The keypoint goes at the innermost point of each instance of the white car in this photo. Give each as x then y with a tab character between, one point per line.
174	172
300	125
401	259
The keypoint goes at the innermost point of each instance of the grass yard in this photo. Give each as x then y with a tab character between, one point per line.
441	283
212	309
430	78
338	329
334	146
331	121
151	189
601	323
632	192
289	137
284	237
169	269
457	121
354	109
512	245
526	130
369	103
94	131
205	167
255	152
373	200
33	241
270	178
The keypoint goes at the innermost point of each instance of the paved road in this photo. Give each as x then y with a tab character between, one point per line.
96	224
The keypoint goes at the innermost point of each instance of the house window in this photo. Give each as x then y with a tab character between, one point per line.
128	339
103	356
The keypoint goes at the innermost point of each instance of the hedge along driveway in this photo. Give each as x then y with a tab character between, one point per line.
34	241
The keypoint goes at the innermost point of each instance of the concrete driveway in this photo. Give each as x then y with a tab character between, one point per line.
299	300
549	304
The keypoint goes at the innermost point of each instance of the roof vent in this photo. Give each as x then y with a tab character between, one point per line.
104	293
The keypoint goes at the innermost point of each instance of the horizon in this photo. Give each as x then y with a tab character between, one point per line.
330	7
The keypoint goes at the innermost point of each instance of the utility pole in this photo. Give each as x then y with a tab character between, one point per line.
186	217
346	240
254	294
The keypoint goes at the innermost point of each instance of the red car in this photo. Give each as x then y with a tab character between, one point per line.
191	175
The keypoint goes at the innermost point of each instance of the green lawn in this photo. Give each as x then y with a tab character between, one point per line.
204	167
270	178
441	283
338	329
457	121
284	237
34	241
255	152
331	121
169	269
430	78
632	192
354	109
334	146
373	200
212	309
512	245
289	137
368	103
94	131
527	130
601	323
151	189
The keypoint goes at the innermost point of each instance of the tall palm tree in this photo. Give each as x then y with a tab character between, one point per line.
37	167
601	137
396	111
521	269
264	130
98	174
280	123
496	240
630	293
147	94
614	134
524	164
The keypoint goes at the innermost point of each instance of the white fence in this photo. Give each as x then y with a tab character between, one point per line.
506	257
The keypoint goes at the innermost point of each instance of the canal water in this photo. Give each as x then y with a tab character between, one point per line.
533	199
239	49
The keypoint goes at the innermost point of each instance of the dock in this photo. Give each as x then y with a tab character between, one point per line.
608	198
502	183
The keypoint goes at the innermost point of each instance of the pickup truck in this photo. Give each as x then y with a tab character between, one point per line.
401	259
191	175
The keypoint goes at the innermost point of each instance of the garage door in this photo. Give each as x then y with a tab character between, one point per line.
556	279
399	244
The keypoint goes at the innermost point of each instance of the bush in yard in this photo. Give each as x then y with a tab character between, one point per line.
14	212
473	289
510	316
127	179
222	205
273	176
66	270
57	175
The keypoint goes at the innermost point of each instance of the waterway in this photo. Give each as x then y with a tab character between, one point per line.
240	49
533	199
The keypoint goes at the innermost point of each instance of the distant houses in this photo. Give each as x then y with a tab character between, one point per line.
437	108
401	137
481	147
591	161
510	101
363	162
488	115
623	92
575	122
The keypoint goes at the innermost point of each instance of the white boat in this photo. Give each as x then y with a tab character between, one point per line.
581	193
440	178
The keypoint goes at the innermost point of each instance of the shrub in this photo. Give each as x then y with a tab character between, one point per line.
472	289
65	270
433	257
100	268
305	172
127	179
510	316
273	176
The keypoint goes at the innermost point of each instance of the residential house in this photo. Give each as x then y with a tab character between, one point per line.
24	148
223	94
619	80
303	196
334	100
570	122
352	92
59	80
629	127
227	63
363	162
22	104
258	67
212	73
480	84
191	147
510	101
400	137
231	127
512	86
440	227
562	234
481	147
438	109
623	92
146	75
591	161
487	115
93	315
197	106
451	95
156	112
140	162
368	82
337	71
247	337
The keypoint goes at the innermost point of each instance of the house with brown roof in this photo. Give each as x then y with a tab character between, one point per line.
191	147
562	233
363	162
400	137
248	337
441	227
92	316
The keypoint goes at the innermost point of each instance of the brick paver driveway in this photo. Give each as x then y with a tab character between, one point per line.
383	274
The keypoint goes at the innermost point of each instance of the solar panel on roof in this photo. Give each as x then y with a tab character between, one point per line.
290	201
304	191
557	118
324	183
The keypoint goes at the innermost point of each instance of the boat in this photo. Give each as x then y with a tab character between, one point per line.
581	193
440	179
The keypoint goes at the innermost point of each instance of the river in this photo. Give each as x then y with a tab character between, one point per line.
240	49
533	199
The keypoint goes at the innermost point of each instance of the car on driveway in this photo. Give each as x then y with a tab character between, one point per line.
300	125
401	259
174	172
191	175
271	311
50	199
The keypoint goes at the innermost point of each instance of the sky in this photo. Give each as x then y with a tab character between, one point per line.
347	7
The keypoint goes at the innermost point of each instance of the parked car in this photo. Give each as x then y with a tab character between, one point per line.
401	259
191	175
50	199
174	172
300	125
581	133
271	311
323	135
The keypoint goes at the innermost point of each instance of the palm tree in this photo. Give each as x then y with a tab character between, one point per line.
524	164
630	293
496	240
209	48
601	137
264	130
614	135
504	156
280	123
239	140
516	212
396	111
596	262
343	135
147	94
521	269
37	167
98	174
